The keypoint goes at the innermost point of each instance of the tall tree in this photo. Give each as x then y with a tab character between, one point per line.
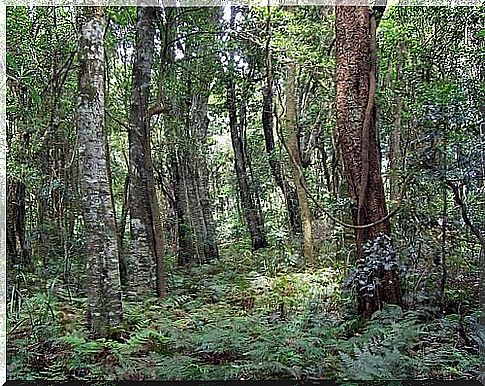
289	192
237	122
296	164
102	272
254	220
17	251
356	84
146	231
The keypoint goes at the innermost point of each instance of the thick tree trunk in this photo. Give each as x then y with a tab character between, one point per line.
253	218
102	272
356	80
296	166
146	231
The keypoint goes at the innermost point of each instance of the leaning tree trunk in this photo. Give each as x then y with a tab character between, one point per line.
356	83
146	231
102	272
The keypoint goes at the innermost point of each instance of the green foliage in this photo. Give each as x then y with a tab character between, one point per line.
227	321
379	257
265	314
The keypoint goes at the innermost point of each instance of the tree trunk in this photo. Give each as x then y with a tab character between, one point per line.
102	272
356	80
211	249
201	123
395	151
17	251
296	166
253	218
146	231
186	248
289	193
196	214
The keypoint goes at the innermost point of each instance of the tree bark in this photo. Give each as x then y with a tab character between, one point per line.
355	89
17	251
252	216
289	193
186	248
296	165
395	150
201	124
196	214
147	247
102	271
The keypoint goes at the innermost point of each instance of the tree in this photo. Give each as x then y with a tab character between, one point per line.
289	192
356	85
102	266
252	212
16	246
146	231
296	165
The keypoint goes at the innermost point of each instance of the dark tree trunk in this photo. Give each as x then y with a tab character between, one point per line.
121	226
146	230
102	272
186	248
17	251
254	220
356	80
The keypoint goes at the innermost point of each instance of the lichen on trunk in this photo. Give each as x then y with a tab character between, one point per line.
102	268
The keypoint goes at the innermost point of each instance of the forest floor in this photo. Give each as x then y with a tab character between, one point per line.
246	316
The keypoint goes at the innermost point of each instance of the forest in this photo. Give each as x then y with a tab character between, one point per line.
245	193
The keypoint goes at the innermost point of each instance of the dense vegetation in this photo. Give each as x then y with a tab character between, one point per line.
245	193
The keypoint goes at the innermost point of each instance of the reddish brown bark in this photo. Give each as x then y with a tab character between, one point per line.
355	89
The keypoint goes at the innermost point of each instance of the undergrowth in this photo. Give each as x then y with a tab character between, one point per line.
246	316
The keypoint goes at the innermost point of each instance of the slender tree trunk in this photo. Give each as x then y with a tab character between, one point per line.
186	248
146	231
356	82
17	251
121	231
102	273
289	193
395	151
196	214
253	218
211	250
296	166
